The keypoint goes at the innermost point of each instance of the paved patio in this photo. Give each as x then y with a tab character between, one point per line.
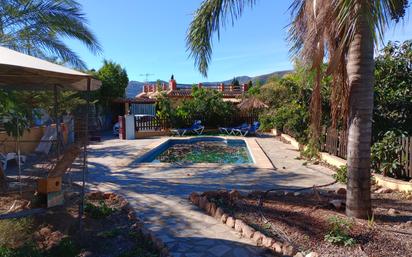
160	194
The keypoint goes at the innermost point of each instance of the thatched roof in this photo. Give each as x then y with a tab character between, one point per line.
251	103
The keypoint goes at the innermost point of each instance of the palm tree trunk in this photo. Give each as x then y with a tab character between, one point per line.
360	69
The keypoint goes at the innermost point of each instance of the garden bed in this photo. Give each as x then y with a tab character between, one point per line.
110	229
303	220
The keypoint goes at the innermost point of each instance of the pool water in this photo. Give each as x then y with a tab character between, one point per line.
225	152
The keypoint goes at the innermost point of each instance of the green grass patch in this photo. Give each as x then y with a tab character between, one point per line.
15	231
338	233
99	211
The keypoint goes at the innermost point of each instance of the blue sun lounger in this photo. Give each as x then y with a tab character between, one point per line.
250	130
231	130
196	128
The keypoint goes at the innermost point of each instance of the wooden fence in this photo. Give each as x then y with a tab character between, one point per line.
157	124
336	143
406	156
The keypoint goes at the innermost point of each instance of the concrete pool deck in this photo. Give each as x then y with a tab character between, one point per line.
160	194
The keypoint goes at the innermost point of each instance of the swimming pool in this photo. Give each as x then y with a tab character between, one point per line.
201	150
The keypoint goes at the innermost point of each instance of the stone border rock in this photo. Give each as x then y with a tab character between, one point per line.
138	226
240	226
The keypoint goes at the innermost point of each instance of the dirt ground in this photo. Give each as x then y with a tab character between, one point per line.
304	220
108	231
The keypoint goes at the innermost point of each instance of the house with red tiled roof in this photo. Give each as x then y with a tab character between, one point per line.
230	93
145	102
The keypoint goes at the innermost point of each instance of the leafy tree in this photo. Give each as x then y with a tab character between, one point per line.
39	27
207	105
164	107
235	82
348	30
114	82
393	91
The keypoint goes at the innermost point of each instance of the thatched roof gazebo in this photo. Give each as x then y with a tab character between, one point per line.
252	103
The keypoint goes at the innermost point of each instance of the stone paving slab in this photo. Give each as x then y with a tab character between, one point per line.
160	194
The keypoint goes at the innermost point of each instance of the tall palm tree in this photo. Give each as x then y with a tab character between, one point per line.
38	27
348	31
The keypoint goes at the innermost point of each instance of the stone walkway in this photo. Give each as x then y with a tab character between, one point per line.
160	195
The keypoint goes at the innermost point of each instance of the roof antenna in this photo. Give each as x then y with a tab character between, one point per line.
147	75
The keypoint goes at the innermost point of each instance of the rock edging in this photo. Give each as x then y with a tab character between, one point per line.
240	226
137	226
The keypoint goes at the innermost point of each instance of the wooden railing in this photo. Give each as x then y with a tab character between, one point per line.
154	124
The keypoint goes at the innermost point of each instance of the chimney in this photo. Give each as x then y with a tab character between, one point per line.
231	88
152	87
245	87
200	85
222	87
164	88
145	89
172	84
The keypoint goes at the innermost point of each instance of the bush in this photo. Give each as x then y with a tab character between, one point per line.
98	211
393	95
310	152
385	155
338	233
266	120
341	174
293	118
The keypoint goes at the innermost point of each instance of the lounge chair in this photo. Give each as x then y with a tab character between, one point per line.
251	130
196	128
231	130
5	158
46	142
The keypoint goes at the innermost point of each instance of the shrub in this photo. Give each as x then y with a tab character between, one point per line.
338	233
385	155
293	118
266	120
393	95
99	211
341	174
310	151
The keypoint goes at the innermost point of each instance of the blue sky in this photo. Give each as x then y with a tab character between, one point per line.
149	37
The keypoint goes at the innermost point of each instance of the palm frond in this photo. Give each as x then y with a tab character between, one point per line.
332	25
208	19
37	27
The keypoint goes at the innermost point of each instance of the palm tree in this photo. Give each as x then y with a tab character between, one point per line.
348	31
38	27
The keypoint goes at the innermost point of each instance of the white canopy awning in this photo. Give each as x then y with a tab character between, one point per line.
25	72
